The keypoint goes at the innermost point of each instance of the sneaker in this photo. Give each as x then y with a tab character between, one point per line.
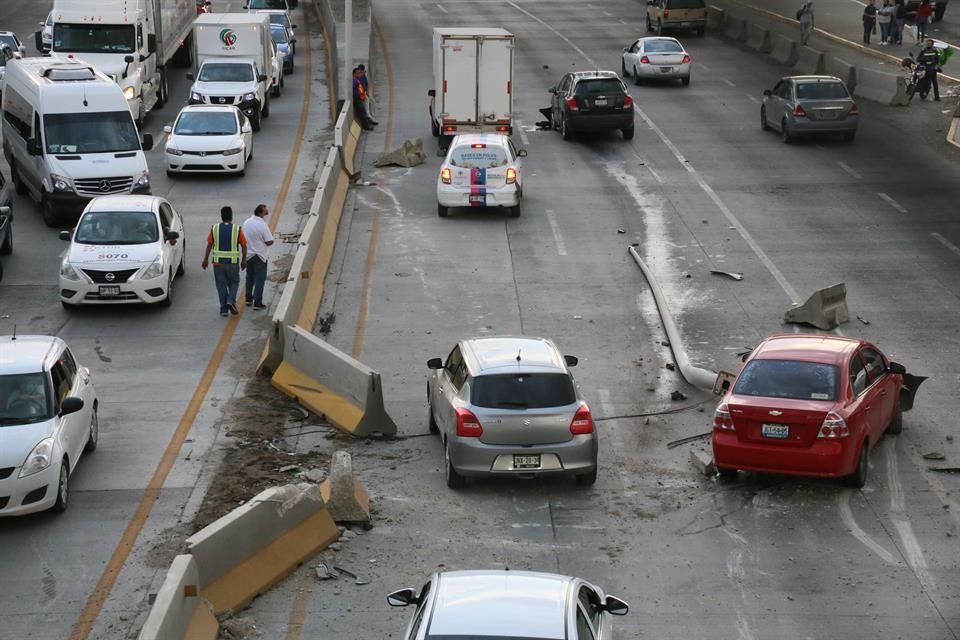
223	314
233	308
259	307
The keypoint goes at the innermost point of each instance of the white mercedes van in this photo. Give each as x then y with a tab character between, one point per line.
69	136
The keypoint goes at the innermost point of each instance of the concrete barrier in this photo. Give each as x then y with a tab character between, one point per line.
810	61
255	546
714	18
345	496
825	308
178	611
879	86
734	28
331	383
843	70
758	39
783	50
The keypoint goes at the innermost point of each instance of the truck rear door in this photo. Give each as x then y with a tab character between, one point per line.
460	81
495	64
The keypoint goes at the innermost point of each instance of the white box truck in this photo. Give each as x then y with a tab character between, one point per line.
234	55
132	41
473	81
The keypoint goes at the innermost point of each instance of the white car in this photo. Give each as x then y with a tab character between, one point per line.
48	421
10	39
656	58
276	73
124	249
46	34
481	170
209	139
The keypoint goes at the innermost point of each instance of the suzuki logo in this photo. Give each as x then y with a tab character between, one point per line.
776	413
109	277
104	185
526	422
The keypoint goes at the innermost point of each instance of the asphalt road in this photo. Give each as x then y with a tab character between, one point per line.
762	558
147	367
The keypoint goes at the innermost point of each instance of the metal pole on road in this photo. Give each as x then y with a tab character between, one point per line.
348	52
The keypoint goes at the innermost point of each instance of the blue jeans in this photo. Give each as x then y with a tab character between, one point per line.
884	31
227	278
256	278
922	23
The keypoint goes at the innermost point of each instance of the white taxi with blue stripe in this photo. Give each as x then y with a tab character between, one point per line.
481	170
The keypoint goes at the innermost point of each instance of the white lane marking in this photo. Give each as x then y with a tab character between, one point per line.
607	13
849	169
949	245
862	4
753	98
442	8
622	21
846	514
557	236
523	134
893	203
728	82
605	404
159	141
901	521
703	66
535	525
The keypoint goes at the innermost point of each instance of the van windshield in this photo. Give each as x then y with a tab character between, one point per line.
91	38
225	72
24	399
117	227
103	132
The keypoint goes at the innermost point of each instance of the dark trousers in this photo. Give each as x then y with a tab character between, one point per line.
931	77
227	279
256	278
867	30
360	110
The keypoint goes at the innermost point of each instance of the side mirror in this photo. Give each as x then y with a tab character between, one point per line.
171	236
262	77
767	92
152	42
402	598
615	606
65	235
571	360
128	59
293	26
625	49
190	76
552	90
522	153
33	147
435	363
168	129
147	141
70	404
38	39
432	93
896	367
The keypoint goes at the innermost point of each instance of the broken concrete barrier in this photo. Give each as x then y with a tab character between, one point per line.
825	308
344	494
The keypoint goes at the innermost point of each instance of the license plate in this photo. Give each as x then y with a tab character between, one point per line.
600	102
477	197
109	291
526	462
666	69
829	115
780	431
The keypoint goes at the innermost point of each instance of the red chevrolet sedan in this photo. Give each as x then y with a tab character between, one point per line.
810	405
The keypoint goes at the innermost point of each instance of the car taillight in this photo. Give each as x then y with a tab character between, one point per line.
582	422
666	15
446	176
721	418
854	110
449	128
686	59
799	112
503	128
467	424
645	60
572	104
833	427
511	175
628	102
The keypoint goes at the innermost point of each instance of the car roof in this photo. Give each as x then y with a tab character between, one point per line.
498	354
808	347
480	138
589	75
27	353
124	203
813	78
500	603
209	107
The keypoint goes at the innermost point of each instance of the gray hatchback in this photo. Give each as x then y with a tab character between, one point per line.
807	105
507	405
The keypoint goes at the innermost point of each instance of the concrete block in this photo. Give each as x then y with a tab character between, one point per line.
843	70
702	462
408	154
783	50
886	88
810	61
734	28
331	383
825	308
176	602
758	39
345	497
714	18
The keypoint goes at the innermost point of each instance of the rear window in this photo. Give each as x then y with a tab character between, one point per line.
686	4
480	157
523	391
788	379
662	46
821	91
599	87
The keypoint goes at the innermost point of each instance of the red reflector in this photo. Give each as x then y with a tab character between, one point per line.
478	146
467	424
666	14
686	59
582	422
444	86
508	86
645	60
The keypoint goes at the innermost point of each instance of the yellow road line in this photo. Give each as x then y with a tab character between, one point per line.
101	592
301	601
375	226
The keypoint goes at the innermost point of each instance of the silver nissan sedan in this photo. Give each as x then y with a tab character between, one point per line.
521	605
807	105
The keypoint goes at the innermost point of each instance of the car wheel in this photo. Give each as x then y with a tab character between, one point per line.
442	211
623	68
266	106
256	123
858	478
636	77
282	83
68	306
515	211
896	421
764	125
275	90
434	427
171	174
726	475
7	247
565	132
94	436
685	80
49	213
182	267
1	272
434	128
162	91
19	186
587	479
938	12
63	488
785	132
454	479
628	133
168	300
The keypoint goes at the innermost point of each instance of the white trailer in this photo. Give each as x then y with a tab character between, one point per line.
132	41
473	81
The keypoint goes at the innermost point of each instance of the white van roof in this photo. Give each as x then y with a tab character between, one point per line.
230	19
65	86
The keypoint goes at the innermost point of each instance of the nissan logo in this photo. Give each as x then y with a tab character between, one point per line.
104	185
109	277
222	100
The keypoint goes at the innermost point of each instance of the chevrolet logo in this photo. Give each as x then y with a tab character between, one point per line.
776	413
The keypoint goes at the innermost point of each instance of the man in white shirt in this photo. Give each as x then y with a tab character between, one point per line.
259	238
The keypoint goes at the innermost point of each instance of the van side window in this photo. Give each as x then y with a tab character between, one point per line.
17	111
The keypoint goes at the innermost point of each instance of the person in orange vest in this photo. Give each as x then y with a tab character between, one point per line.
228	247
360	101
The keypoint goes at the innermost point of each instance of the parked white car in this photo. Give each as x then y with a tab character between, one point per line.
124	249
481	170
209	139
656	58
48	421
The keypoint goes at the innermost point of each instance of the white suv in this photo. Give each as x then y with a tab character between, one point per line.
48	420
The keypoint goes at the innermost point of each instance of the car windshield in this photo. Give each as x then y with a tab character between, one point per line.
197	123
225	72
279	34
268	4
788	379
479	156
96	132
90	38
523	391
662	46
24	399
686	4
10	40
117	227
598	87
821	91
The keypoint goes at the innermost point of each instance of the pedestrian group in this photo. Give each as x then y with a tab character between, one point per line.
232	248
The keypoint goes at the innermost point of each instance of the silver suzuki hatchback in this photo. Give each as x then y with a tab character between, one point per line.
508	405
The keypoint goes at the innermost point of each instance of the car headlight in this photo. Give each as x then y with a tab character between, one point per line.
60	183
196	97
155	270
233	152
142	181
247	97
39	459
129	93
67	272
174	151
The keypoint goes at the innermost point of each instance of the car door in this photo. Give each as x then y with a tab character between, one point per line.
883	399
631	56
443	393
858	418
559	97
589	600
72	428
775	104
246	132
35	168
170	221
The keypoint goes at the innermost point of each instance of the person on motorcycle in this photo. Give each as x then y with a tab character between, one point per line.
929	58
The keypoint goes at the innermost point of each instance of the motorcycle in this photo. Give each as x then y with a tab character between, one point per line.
918	83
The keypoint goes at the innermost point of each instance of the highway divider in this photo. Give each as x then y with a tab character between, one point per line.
843	70
734	28
758	39
879	86
810	61
784	50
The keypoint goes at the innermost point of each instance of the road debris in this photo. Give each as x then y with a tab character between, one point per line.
934	455
677	396
241	628
621	231
289	467
408	154
676	443
863	320
670	366
730	274
326	572
702	462
356	579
